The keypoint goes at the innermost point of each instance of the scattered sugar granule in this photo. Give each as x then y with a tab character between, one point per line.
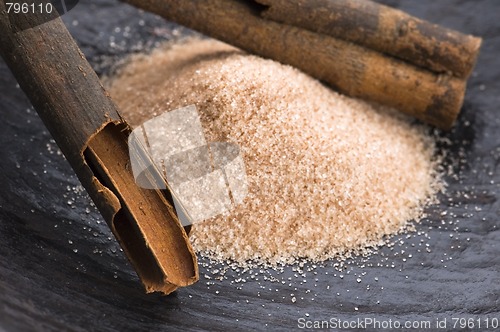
327	174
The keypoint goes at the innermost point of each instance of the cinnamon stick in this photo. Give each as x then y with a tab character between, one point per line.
85	123
382	29
354	70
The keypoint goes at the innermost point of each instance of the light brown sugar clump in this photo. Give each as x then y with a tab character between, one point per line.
327	174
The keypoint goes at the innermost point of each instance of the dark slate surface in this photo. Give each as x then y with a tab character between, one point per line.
60	269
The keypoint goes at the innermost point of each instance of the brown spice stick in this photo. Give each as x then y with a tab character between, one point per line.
383	29
352	69
78	112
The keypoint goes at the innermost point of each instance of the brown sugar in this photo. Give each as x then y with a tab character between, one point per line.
327	175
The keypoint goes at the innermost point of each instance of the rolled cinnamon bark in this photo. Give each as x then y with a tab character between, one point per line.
382	29
354	70
86	125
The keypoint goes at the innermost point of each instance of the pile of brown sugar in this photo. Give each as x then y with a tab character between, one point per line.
327	174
